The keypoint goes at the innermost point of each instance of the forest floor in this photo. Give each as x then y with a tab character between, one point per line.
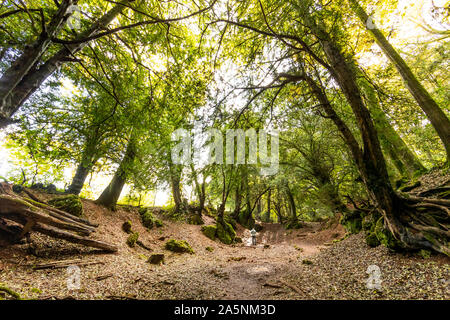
286	264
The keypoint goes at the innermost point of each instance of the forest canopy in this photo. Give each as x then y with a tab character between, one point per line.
356	92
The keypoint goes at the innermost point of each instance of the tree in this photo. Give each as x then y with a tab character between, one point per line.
437	117
48	52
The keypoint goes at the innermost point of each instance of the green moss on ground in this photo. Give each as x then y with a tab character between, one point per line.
70	203
179	246
132	239
196	219
352	221
10	292
293	224
210	231
385	236
225	232
148	220
372	240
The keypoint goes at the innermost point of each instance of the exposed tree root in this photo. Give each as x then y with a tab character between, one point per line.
12	293
422	223
36	216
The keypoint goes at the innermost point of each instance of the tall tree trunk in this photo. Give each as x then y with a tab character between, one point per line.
291	201
175	176
202	198
31	56
390	139
112	192
269	195
437	117
401	216
237	201
88	160
39	72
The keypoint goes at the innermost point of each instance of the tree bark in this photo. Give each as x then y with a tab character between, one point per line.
437	117
291	201
389	138
39	72
31	56
85	166
112	192
175	176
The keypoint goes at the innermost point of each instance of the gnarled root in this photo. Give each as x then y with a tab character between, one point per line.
422	223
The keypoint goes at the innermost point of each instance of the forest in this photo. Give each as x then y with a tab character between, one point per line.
224	149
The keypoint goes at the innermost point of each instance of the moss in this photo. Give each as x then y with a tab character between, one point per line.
352	221
70	203
411	186
426	254
196	219
372	240
385	236
231	221
179	246
225	232
293	224
132	239
148	220
307	262
210	231
210	249
126	226
12	293
36	290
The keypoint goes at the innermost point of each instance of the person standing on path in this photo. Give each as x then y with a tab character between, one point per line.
253	233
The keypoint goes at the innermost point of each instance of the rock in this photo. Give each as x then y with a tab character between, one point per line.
180	246
132	239
238	240
70	203
196	219
148	220
156	258
225	232
126	226
307	262
210	231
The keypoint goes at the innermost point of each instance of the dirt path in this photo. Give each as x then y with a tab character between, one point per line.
286	264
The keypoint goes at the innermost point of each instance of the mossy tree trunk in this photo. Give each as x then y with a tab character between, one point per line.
88	160
401	215
394	146
435	114
34	72
111	194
